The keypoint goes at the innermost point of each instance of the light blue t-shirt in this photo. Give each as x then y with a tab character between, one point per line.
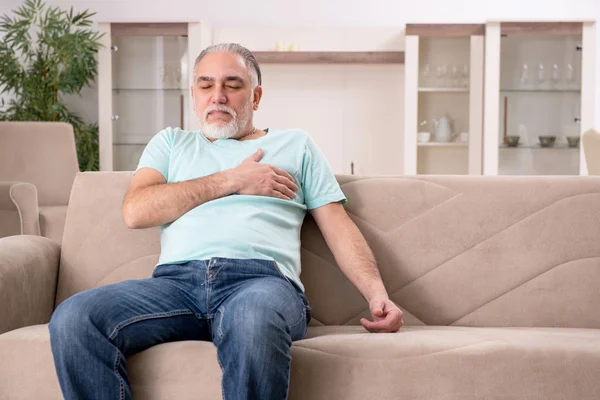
241	226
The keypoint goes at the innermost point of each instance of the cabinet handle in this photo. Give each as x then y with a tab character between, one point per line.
114	49
114	117
351	167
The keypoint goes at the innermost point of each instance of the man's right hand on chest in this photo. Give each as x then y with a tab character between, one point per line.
254	178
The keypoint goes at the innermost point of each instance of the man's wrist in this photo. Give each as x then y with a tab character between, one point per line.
377	290
229	182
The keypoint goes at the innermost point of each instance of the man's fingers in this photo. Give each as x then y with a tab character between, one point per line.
391	323
279	195
284	180
281	172
373	326
284	190
255	157
379	309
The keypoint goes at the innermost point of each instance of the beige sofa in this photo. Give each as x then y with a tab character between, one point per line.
38	163
499	278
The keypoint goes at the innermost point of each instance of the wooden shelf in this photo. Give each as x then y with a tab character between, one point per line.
445	30
443	144
541	28
330	57
443	90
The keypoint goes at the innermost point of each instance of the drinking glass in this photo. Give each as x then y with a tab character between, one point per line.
570	75
465	76
541	74
555	73
455	80
524	74
425	75
441	73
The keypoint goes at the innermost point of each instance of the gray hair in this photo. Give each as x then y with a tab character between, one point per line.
247	56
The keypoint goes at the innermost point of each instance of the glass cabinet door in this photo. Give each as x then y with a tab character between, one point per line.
150	91
443	99
539	104
443	105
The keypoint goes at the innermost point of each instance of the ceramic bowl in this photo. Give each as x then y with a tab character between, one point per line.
423	137
512	141
573	141
547	141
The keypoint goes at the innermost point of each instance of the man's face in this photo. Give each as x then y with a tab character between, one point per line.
224	97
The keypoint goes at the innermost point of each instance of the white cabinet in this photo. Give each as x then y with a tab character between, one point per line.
144	78
443	112
538	97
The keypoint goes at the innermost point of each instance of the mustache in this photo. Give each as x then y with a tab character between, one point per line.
219	107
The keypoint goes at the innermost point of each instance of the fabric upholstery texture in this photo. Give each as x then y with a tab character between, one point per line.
591	150
28	273
52	222
19	211
42	154
346	362
498	278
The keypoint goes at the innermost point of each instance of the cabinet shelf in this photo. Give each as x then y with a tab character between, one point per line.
330	57
442	90
443	144
538	147
540	91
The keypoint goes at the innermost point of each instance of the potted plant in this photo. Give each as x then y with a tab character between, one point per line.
45	54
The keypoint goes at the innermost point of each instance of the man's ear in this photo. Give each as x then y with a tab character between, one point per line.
257	95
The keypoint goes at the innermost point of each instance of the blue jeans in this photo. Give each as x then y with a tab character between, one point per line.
247	308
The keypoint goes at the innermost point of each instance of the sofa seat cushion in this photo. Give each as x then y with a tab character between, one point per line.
52	222
346	362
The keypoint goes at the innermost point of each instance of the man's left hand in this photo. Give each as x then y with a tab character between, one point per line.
387	317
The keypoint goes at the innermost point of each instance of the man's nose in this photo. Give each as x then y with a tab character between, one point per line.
218	96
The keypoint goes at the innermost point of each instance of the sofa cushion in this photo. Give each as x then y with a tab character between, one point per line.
346	362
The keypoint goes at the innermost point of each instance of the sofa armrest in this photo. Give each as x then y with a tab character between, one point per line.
22	197
28	276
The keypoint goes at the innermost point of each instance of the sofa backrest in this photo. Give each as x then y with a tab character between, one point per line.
41	153
452	250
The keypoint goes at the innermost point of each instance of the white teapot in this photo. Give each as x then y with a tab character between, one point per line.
443	129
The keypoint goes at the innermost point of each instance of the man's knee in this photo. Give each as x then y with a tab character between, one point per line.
257	323
75	316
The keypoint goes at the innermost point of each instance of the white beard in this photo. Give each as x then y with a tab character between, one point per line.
227	130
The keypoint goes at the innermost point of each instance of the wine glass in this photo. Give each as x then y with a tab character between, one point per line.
425	75
465	75
555	74
440	74
454	73
541	74
524	74
570	75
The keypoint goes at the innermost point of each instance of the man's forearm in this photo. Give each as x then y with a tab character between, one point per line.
163	203
355	259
